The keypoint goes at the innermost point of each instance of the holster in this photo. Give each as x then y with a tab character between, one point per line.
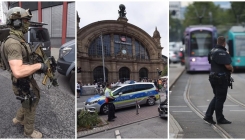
25	93
218	79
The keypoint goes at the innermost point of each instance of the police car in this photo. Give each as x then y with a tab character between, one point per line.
125	96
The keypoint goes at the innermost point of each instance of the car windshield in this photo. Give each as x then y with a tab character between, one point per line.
39	35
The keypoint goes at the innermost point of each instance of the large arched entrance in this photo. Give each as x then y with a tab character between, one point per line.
98	74
143	73
124	74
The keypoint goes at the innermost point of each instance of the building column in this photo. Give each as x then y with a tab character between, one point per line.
39	11
135	72
20	4
133	48
112	46
64	22
114	71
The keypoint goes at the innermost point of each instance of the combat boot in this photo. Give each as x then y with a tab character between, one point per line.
35	134
16	121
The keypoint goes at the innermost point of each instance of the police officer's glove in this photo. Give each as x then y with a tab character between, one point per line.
44	67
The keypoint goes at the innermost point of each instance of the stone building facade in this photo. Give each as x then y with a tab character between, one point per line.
129	52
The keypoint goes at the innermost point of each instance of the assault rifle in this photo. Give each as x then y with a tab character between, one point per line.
38	56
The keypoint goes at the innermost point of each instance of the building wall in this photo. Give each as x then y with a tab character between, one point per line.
113	63
52	14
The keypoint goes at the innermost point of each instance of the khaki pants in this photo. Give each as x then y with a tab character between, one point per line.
28	115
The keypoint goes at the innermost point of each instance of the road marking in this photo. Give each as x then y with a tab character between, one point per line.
203	106
237	110
224	105
117	134
177	106
181	111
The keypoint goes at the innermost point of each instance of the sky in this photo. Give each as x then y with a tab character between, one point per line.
223	4
147	15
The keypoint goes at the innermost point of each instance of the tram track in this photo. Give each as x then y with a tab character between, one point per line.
199	113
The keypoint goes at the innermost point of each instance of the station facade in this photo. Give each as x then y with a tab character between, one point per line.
129	52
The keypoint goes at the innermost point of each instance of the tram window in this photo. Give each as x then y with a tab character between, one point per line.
201	43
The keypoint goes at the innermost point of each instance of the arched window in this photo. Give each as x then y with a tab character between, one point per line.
124	74
141	51
95	48
143	73
98	74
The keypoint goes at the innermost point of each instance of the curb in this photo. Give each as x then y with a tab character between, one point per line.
113	127
176	79
179	132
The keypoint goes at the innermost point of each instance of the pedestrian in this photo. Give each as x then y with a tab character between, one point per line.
78	89
16	55
81	88
110	99
221	68
166	89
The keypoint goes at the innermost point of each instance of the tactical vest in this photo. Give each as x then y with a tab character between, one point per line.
22	85
218	58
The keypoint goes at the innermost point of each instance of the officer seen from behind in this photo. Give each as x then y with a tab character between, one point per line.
109	100
221	69
17	60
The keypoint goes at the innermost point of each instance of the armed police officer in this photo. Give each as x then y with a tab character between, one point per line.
16	56
221	69
109	100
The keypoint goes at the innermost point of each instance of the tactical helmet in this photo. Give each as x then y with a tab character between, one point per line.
14	16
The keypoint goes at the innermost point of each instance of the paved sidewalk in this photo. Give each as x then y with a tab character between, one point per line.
126	117
175	131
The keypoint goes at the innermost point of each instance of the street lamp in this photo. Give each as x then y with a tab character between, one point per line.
103	62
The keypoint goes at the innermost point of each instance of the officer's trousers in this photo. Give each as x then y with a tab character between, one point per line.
27	115
220	92
111	111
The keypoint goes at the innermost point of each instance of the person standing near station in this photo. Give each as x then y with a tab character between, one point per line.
221	68
109	100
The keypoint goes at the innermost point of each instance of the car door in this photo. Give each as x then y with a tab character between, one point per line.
124	97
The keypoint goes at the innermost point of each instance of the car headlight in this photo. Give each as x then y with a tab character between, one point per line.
65	51
93	102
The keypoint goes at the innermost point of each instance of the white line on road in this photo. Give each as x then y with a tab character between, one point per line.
177	106
237	110
224	105
181	111
117	134
203	106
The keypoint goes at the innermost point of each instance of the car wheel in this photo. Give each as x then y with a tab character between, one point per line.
151	101
104	109
72	82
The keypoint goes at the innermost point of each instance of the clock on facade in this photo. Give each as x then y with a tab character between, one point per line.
124	51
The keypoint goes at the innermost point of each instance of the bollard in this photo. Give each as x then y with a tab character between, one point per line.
137	106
